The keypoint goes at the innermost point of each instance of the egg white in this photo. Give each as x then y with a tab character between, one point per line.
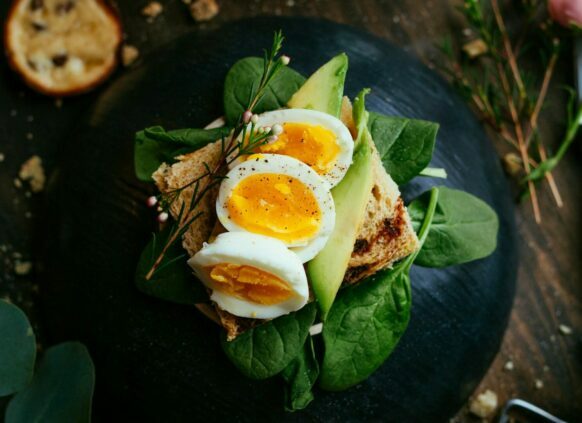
313	117
306	249
268	254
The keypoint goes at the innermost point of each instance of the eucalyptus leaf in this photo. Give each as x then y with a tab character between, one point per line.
464	228
367	321
155	145
265	350
405	145
61	391
17	349
300	377
242	82
173	280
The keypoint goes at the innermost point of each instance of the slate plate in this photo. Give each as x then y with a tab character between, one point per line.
158	361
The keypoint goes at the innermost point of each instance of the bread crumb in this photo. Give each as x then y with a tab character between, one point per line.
129	55
58	103
204	10
17	183
565	330
484	405
152	10
509	365
475	48
512	164
22	268
29	136
539	384
33	172
2	157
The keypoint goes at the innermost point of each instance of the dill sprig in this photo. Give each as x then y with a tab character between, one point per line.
509	99
244	138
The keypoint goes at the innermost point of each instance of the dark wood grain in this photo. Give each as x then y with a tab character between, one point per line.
549	285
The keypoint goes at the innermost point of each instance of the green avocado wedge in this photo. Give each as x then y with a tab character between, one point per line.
326	271
323	91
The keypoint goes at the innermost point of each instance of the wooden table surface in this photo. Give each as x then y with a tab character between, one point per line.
549	282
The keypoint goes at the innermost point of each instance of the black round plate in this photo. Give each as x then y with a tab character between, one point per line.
158	361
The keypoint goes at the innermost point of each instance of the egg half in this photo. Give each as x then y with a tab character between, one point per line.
252	275
279	197
317	139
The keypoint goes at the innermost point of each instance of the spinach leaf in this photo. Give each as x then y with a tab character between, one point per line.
243	79
155	145
367	321
173	280
300	376
464	228
17	349
265	350
405	145
61	390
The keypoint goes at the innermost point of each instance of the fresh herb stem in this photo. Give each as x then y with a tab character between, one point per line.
425	227
506	96
549	164
243	139
434	172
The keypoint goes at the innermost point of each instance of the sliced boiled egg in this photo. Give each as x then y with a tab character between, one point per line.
279	197
317	139
252	275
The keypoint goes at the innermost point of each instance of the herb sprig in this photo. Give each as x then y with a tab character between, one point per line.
492	76
244	138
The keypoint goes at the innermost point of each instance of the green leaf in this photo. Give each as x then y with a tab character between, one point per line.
300	376
405	145
367	321
61	391
242	82
155	145
363	327
173	281
265	350
464	228
17	349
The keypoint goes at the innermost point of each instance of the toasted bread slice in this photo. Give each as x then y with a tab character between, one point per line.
187	168
62	47
386	234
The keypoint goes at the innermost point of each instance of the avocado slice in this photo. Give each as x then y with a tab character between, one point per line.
323	91
326	271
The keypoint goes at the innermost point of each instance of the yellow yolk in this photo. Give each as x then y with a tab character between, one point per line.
314	145
275	205
250	283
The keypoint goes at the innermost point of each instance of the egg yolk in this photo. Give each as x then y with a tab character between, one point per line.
275	205
314	145
250	283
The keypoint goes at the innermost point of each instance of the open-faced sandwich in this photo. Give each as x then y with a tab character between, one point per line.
284	220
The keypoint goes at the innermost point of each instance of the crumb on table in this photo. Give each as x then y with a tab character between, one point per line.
22	268
204	10
32	172
484	405
129	55
152	10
